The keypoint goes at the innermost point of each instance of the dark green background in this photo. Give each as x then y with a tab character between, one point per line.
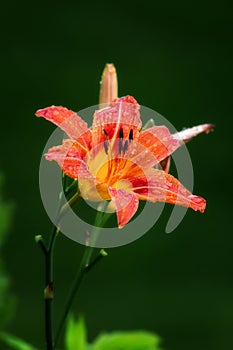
175	57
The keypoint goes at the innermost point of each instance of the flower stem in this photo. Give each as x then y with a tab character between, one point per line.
85	266
83	269
48	291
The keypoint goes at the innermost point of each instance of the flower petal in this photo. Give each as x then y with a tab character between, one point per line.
90	187
159	141
66	119
67	156
122	114
158	186
187	134
126	205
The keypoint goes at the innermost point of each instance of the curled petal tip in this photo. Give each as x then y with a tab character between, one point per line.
44	111
209	128
187	134
39	113
197	203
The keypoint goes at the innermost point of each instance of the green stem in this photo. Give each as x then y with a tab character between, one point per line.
85	266
69	204
48	295
73	185
49	291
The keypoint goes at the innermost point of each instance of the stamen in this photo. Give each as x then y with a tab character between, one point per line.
131	135
126	144
105	133
121	133
120	145
105	147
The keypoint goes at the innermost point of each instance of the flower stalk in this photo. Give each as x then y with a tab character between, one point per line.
86	265
84	268
49	257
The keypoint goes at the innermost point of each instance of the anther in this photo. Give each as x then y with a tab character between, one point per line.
105	133
121	133
131	135
120	145
126	144
105	147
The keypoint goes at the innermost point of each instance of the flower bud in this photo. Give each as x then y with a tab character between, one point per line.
108	86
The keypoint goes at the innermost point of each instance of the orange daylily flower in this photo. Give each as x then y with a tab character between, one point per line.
116	160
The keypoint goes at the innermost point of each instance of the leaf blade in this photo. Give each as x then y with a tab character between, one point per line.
75	337
135	340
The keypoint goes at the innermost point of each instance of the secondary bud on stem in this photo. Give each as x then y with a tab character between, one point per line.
38	238
48	291
103	252
40	242
108	85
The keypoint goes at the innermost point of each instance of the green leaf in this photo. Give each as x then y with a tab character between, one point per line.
15	343
137	340
75	337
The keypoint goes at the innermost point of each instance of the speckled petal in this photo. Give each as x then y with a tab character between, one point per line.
67	156
159	141
158	186
66	119
123	113
126	205
187	134
90	187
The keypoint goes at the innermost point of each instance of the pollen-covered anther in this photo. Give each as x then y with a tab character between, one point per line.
121	133
131	135
105	133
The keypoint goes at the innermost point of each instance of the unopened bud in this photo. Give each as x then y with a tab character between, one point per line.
108	86
103	252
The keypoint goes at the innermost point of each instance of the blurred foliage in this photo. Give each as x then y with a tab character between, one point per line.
76	339
15	343
136	340
6	300
6	209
